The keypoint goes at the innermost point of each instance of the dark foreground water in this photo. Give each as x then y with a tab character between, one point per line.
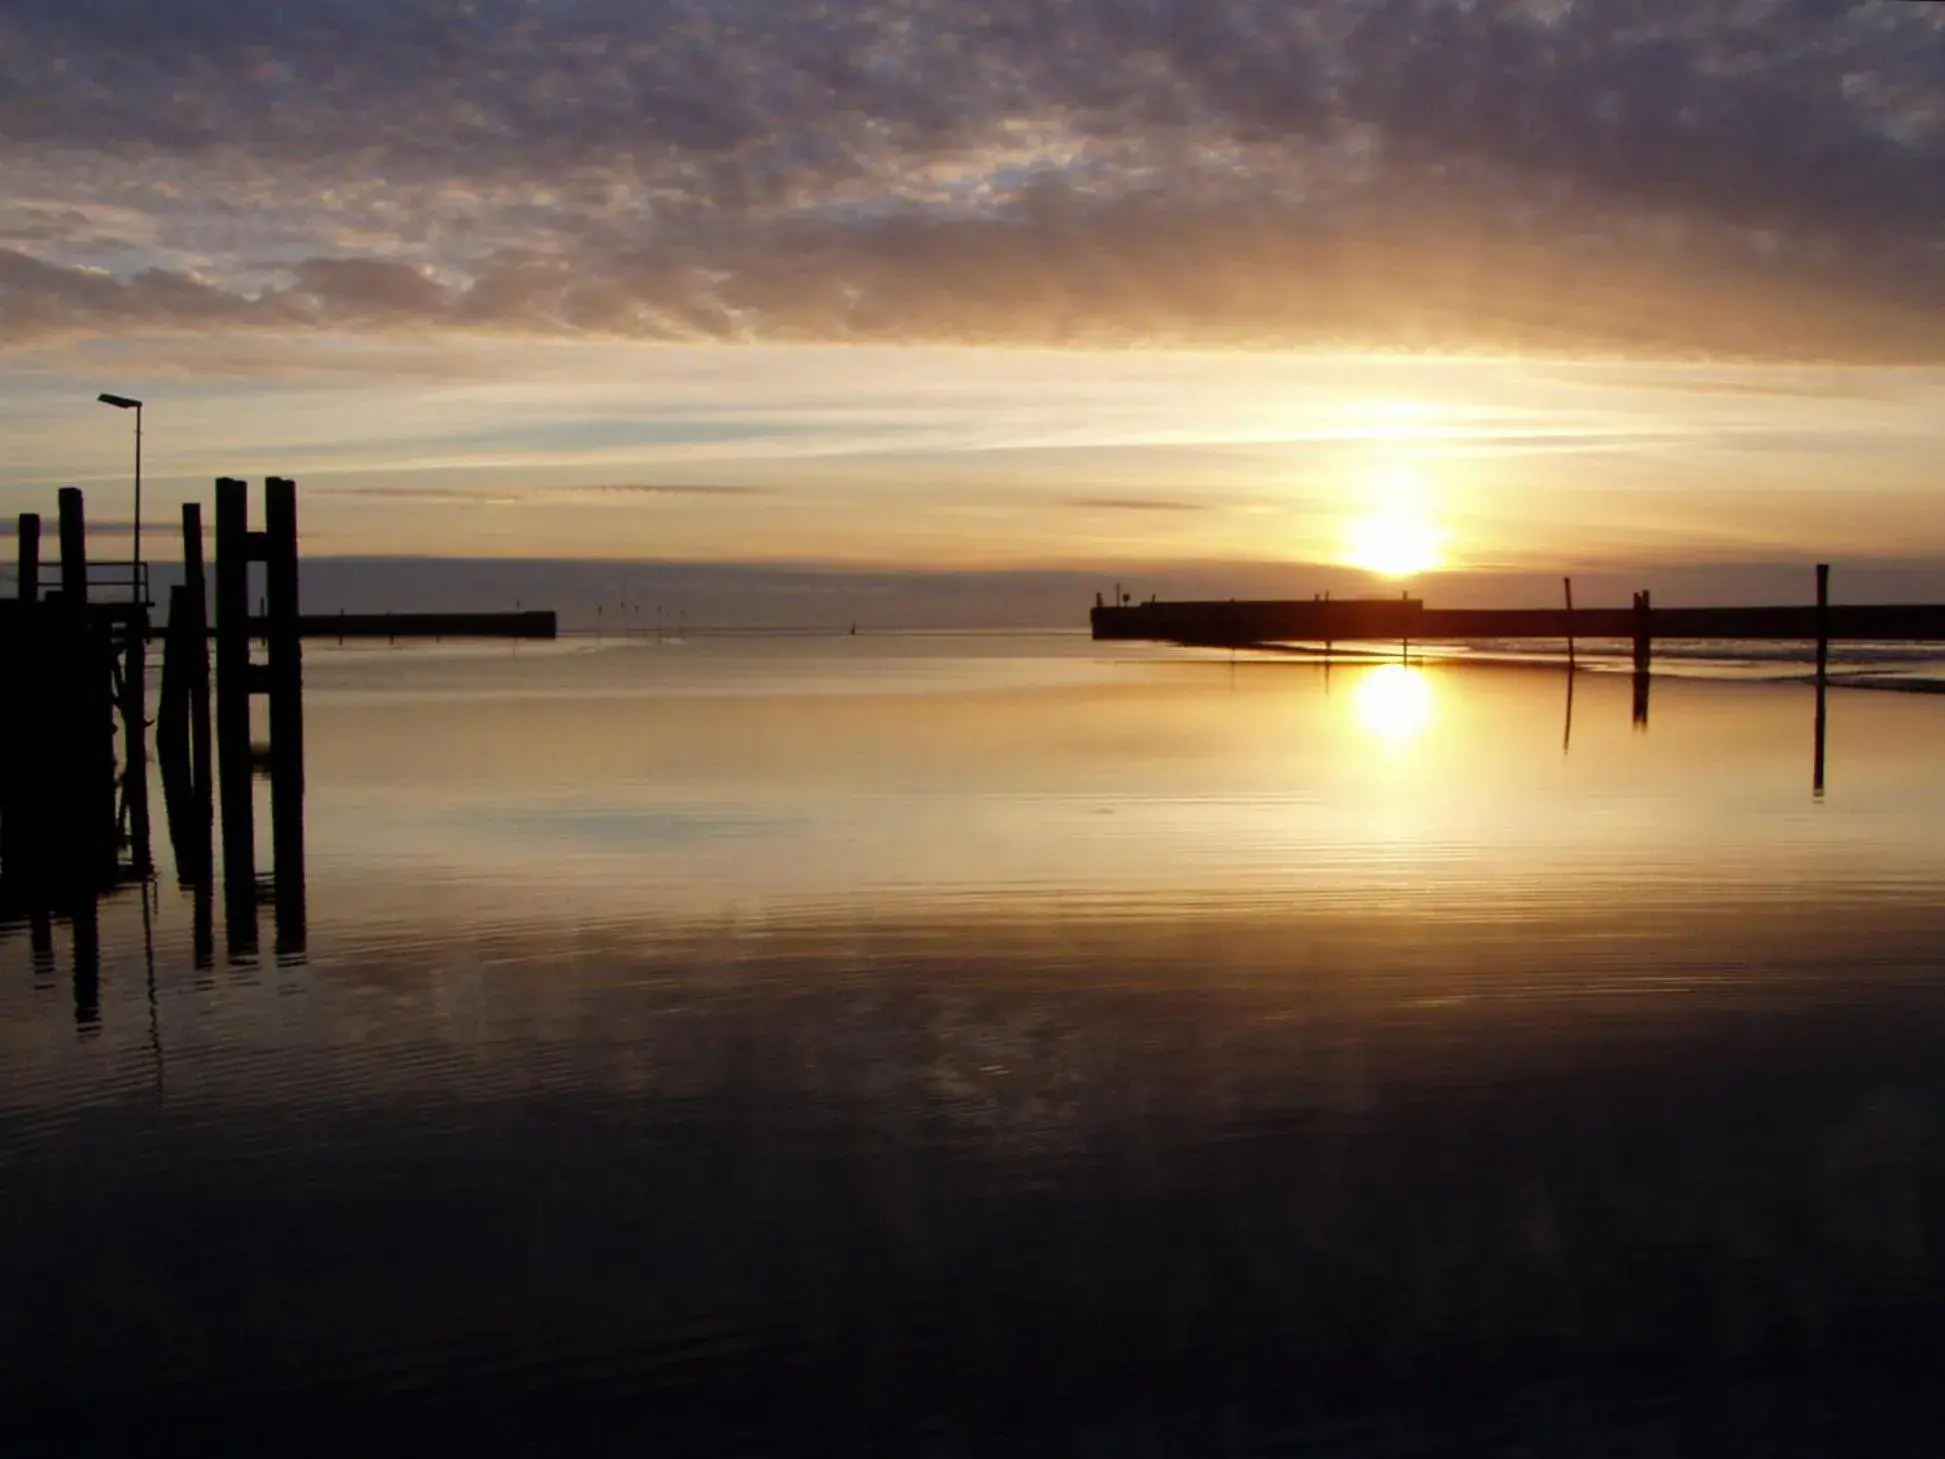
962	1046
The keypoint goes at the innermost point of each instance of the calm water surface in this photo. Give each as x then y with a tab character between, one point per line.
965	1045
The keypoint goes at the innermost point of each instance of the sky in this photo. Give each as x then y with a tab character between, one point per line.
1149	287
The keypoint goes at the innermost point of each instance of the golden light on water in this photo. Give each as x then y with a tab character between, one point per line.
1394	703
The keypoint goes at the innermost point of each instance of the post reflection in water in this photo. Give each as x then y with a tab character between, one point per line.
85	914
1567	719
904	1039
41	940
191	816
79	901
1816	769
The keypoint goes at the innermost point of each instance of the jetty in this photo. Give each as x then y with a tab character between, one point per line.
75	715
1405	619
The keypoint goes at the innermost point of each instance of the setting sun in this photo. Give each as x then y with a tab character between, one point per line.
1394	544
1396	534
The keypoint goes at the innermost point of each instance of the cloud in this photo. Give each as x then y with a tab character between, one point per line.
530	495
664	489
1132	504
437	496
1758	179
1770	384
51	531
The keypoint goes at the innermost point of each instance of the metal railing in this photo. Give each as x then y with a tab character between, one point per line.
107	580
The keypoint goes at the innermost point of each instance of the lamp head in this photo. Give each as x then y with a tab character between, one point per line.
120	402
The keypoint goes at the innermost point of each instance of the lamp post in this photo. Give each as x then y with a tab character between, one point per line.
123	402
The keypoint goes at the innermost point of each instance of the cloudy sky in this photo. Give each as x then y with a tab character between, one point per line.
965	284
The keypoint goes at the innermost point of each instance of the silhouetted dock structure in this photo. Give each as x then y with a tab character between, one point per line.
529	624
72	664
1242	624
74	799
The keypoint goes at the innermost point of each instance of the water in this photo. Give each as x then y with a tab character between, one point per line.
1004	1044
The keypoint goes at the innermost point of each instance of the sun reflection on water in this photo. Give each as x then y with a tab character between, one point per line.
1394	703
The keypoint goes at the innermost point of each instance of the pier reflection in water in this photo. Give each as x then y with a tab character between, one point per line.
876	1043
42	902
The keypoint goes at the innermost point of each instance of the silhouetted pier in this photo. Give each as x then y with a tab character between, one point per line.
74	799
1241	624
428	625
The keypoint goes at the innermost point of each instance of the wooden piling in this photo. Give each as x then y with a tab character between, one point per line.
1823	668
74	548
1643	650
135	732
182	725
286	708
172	714
198	650
233	691
81	742
1823	620
27	569
22	767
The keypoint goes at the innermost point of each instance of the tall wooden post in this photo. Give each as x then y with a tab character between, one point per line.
1568	583
286	708
74	548
172	714
233	696
27	572
135	732
1823	665
1643	640
1643	632
182	734
23	768
197	645
1823	619
84	745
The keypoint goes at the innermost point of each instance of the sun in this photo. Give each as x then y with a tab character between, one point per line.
1394	544
1392	531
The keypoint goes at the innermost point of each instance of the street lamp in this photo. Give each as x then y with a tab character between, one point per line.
123	402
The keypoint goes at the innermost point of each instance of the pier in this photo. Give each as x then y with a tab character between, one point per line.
75	717
1244	624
